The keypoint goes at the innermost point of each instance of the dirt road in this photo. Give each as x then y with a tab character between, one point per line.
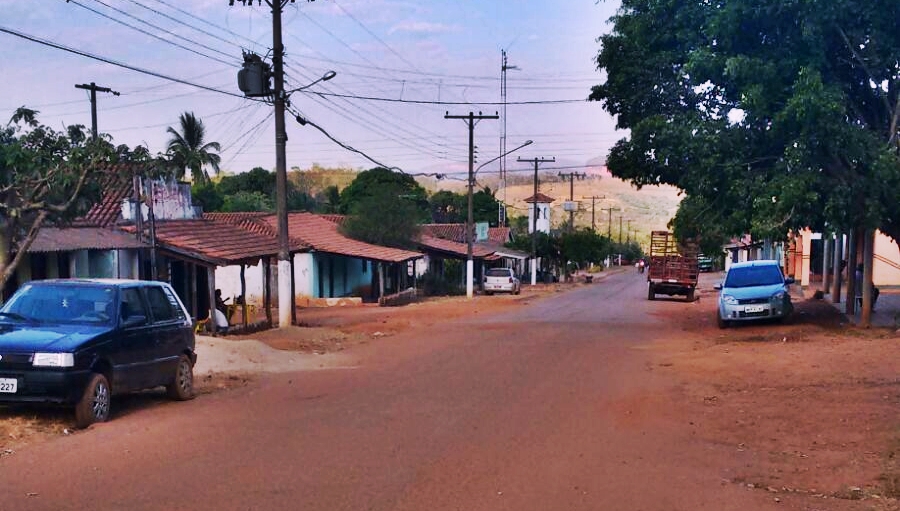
589	399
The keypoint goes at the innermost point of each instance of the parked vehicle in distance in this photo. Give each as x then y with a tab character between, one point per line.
705	263
753	290
76	342
501	280
673	267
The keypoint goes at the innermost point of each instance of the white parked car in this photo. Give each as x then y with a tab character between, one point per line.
501	280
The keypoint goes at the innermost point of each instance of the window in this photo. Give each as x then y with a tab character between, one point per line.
176	304
132	305
159	304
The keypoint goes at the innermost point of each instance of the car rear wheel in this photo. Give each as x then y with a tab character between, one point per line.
182	386
94	404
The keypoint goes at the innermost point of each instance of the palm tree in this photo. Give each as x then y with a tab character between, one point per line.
189	152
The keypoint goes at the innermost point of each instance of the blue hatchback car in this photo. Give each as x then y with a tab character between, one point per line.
76	342
754	290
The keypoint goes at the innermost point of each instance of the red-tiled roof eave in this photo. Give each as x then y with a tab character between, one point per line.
322	235
256	221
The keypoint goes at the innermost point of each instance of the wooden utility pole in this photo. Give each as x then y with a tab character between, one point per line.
571	177
594	199
609	221
470	122
534	214
94	90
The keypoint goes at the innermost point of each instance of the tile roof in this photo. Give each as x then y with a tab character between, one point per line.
322	234
216	242
540	198
117	186
319	232
457	232
56	239
431	243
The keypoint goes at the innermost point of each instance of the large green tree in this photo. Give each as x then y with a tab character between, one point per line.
381	219
450	207
770	114
389	187
47	177
189	150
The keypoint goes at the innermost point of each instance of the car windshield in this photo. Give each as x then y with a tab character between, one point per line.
750	276
498	272
61	303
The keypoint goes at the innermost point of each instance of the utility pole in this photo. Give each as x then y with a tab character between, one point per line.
285	277
470	121
628	231
94	90
594	199
503	67
534	214
620	229
571	177
609	221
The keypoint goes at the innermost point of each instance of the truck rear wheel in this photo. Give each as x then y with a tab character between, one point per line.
651	293
690	295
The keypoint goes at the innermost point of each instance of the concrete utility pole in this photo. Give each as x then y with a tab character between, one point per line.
285	277
470	265
534	214
571	177
594	199
94	90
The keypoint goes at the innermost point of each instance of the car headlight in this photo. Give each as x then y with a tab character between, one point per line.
779	296
53	360
729	300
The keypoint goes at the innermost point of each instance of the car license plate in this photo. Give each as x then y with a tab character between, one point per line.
8	385
754	308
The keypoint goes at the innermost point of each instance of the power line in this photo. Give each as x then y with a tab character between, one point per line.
176	20
173	43
425	102
105	60
303	121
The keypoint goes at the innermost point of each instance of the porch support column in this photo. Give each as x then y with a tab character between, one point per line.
868	263
267	289
827	246
852	284
211	289
243	298
838	257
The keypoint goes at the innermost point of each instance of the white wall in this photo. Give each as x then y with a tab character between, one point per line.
543	223
228	279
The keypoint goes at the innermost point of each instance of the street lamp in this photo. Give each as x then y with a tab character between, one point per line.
470	265
324	78
501	206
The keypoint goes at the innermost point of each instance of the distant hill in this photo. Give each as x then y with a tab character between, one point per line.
649	209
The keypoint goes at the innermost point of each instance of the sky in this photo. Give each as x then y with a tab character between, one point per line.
401	66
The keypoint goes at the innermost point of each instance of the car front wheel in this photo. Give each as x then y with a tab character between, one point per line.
182	386
723	323
94	404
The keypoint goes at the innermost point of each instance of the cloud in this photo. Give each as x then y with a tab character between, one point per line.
421	27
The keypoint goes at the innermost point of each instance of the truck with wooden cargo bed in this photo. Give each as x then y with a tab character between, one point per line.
673	266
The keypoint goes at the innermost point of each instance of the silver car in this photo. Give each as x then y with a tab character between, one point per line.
754	290
501	280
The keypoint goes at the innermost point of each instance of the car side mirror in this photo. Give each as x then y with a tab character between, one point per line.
789	280
137	319
717	287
